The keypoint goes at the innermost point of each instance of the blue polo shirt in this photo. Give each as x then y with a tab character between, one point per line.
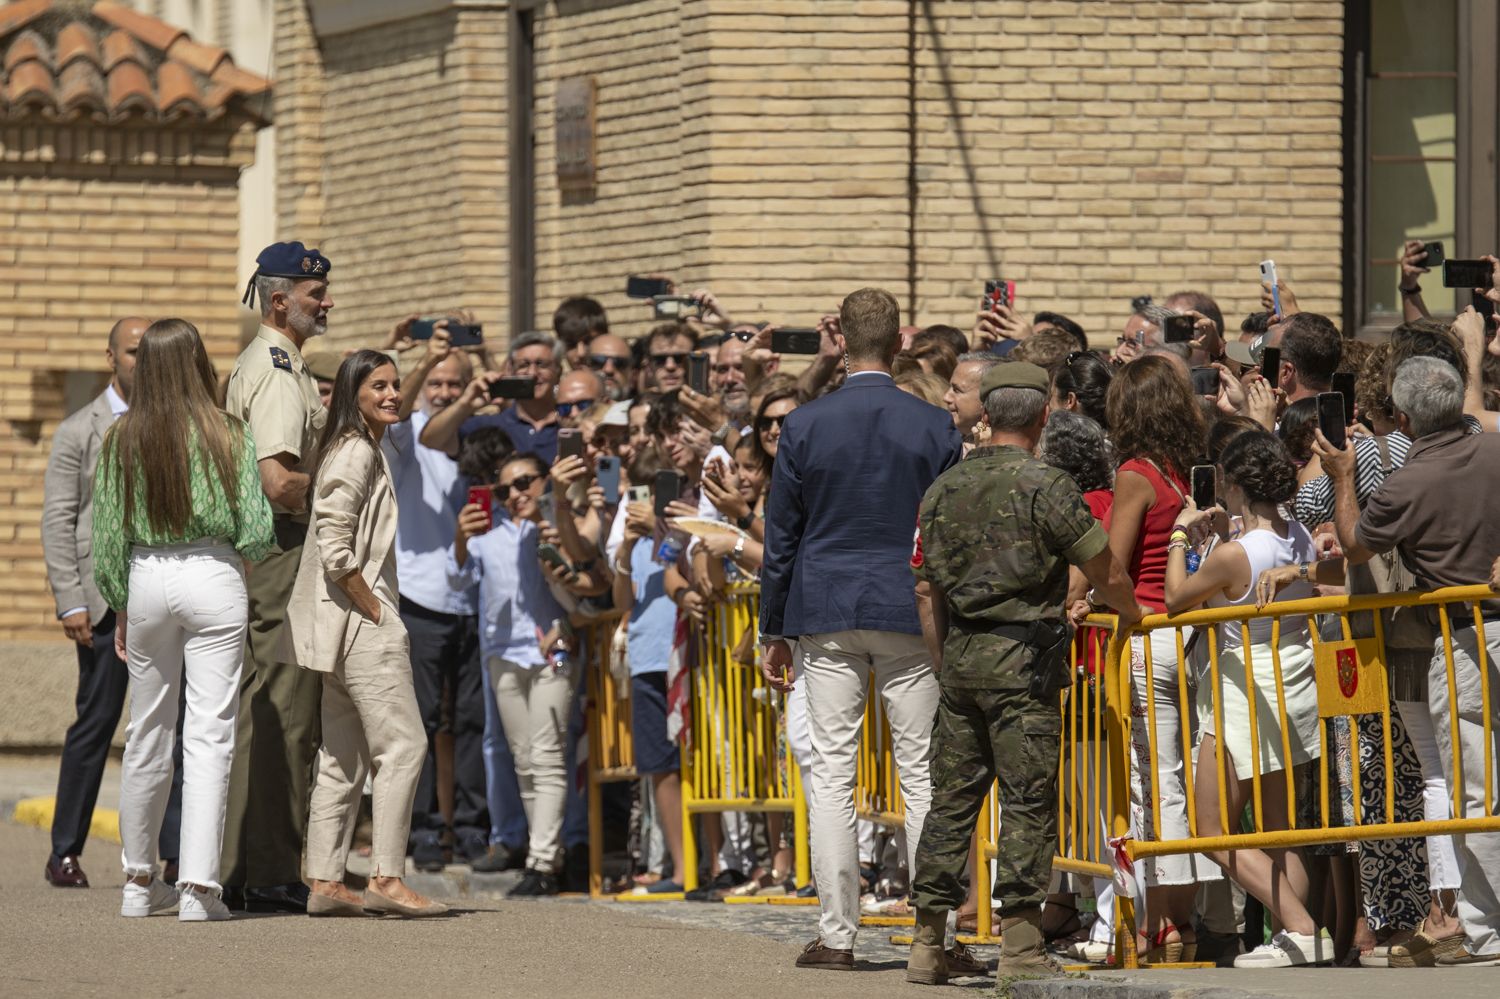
540	441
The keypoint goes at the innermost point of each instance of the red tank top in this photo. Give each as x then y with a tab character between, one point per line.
1148	563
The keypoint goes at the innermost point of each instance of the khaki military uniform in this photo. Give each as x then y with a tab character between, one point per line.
998	532
278	733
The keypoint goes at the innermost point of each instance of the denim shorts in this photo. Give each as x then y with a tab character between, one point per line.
654	752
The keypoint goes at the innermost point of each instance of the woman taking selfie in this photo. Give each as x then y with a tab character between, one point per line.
1159	434
177	506
342	622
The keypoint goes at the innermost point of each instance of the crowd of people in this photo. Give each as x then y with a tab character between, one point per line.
333	576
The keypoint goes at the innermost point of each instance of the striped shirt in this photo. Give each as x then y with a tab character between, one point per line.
1314	501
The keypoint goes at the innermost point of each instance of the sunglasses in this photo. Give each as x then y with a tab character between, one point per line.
661	360
520	483
743	336
567	409
765	423
601	361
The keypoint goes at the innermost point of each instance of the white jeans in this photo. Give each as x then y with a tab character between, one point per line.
534	703
1478	853
836	669
187	615
1437	803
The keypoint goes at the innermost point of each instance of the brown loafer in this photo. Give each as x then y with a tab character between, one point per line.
377	903
65	872
815	955
319	904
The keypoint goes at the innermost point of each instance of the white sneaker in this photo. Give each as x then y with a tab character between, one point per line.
147	900
1289	950
199	906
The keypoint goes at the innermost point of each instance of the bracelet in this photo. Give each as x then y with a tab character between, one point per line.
676	597
743	523
739	548
1178	534
1411	291
1303	572
1176	546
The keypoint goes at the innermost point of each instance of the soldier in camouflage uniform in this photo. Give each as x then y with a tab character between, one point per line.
998	533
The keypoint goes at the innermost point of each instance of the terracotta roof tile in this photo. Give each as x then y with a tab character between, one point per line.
110	61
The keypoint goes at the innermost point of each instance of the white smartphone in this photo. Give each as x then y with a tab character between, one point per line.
1268	274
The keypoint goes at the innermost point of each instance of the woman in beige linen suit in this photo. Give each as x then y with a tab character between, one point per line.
342	622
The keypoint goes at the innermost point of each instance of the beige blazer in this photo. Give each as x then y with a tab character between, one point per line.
352	527
68	508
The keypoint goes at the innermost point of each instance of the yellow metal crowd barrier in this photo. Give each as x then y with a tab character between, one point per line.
611	755
1351	680
736	757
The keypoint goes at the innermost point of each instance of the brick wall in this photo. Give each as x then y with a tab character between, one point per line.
392	145
87	244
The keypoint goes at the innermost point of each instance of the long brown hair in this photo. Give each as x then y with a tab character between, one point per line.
173	409
344	418
1153	415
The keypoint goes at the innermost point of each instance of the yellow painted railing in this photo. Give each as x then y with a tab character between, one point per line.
611	755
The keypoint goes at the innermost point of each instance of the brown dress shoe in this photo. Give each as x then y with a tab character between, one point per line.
815	955
65	872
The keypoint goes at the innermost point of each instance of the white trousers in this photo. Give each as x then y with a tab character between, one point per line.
187	615
1478	853
1437	803
836	669
534	703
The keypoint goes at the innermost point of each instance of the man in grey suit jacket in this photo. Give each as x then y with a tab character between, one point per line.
67	542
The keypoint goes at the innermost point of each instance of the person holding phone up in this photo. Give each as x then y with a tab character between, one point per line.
524	639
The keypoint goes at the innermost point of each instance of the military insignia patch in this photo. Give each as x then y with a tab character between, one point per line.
306	264
281	359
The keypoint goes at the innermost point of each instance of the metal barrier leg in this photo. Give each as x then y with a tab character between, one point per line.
984	914
1117	701
596	837
801	850
688	878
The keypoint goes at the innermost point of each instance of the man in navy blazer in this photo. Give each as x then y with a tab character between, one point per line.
850	472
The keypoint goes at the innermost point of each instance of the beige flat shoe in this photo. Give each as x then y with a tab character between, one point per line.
377	903
319	904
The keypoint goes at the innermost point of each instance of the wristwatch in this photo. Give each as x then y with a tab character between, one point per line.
1302	572
743	523
721	435
739	548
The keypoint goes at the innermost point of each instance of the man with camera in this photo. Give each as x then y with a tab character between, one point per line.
998	533
531	422
850	471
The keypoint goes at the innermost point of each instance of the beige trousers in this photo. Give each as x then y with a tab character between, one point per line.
534	702
370	721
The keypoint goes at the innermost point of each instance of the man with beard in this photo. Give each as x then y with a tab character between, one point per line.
728	382
610	356
278	731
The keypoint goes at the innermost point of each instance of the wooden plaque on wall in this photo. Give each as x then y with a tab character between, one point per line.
575	133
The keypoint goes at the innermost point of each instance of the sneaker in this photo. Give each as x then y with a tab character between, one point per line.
427	855
200	906
534	884
1289	950
147	899
809	890
470	847
499	857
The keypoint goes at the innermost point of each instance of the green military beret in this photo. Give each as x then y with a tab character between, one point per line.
1015	374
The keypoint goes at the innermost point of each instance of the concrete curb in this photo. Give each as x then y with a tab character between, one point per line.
1103	988
38	812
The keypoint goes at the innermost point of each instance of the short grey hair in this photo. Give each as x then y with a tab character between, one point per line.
534	338
265	284
1012	408
986	358
1077	445
1430	393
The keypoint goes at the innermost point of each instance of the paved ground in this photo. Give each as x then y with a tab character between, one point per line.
56	943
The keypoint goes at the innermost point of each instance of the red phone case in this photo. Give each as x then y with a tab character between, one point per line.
480	496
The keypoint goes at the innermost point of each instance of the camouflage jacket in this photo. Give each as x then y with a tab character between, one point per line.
997	534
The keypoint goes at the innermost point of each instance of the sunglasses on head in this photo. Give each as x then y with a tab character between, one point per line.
520	483
660	360
601	361
765	423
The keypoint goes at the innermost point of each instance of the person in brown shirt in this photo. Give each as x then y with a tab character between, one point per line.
1437	511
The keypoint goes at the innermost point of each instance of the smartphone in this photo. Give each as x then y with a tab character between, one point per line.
1331	417
1205	486
668	489
481	496
646	287
640	494
513	388
1434	254
1343	384
569	442
1485	308
548	506
1177	329
795	340
997	292
1206	381
675	307
607	474
1466	274
459	334
698	371
1270	365
548	553
1268	274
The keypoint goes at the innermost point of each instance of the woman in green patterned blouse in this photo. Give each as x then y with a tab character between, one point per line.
177	508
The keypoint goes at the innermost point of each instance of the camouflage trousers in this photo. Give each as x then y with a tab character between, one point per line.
979	736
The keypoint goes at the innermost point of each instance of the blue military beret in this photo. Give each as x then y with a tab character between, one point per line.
287	260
